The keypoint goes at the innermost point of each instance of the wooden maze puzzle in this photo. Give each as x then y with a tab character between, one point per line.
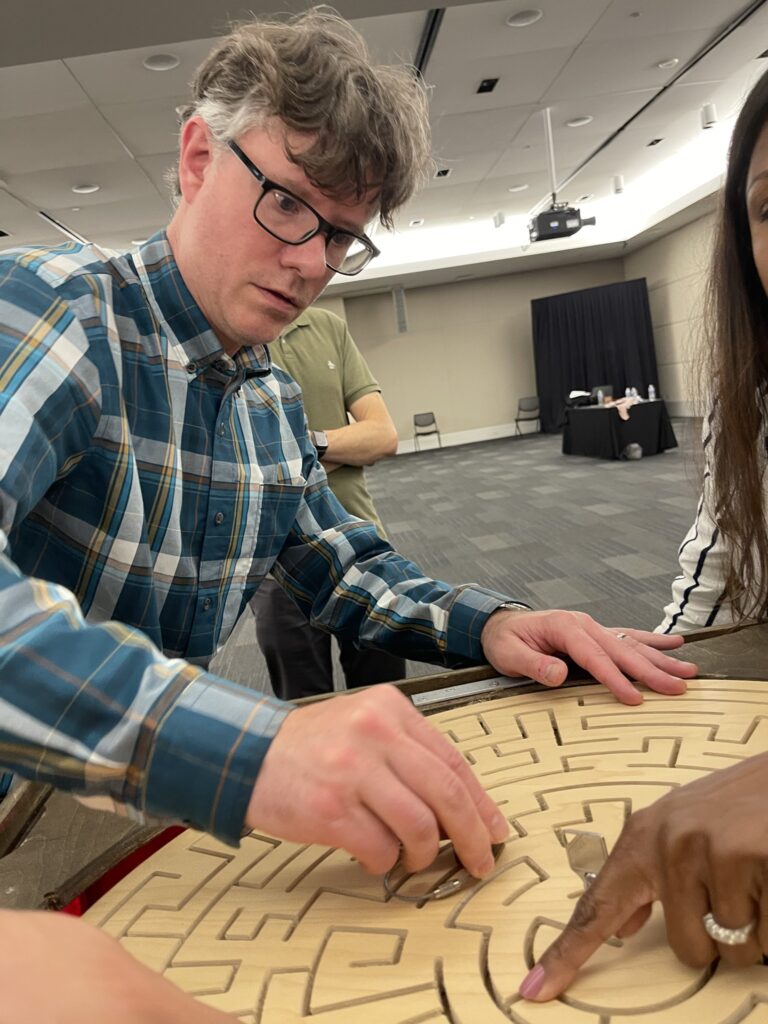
278	933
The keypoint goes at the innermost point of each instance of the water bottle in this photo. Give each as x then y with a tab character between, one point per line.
651	392
627	392
600	396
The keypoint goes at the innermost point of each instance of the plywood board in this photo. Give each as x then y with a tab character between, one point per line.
277	933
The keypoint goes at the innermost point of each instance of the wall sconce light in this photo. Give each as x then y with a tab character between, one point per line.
708	115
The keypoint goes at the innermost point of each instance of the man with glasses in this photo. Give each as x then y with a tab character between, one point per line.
155	466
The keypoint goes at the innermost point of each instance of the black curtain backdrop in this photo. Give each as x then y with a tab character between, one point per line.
591	337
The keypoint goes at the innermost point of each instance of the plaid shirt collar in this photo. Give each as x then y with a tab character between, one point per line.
185	324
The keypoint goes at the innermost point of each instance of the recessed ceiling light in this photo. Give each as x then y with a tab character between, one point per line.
416	222
654	142
75	209
517	188
85	190
586	197
161	62
579	122
487	85
443	172
671	62
522	19
138	241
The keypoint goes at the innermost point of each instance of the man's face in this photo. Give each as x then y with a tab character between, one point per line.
249	284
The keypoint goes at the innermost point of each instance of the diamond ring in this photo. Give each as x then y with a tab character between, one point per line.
727	936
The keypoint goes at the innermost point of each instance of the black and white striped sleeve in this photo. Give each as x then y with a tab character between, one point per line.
698	591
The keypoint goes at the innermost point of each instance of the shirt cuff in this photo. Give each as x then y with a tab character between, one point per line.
468	615
206	753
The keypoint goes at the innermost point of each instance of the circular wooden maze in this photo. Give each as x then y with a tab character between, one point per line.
277	933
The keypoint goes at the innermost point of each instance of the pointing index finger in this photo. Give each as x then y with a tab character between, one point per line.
612	899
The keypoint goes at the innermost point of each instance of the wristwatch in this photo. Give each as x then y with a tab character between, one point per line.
319	439
512	606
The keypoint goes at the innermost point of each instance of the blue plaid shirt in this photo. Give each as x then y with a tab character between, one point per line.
148	483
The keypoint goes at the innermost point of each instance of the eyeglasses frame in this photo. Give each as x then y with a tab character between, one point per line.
324	227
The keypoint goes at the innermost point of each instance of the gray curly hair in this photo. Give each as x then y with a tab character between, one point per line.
313	72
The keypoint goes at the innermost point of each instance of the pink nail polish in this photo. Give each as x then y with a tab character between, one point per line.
531	985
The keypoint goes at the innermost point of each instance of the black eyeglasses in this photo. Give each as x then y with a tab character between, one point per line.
292	220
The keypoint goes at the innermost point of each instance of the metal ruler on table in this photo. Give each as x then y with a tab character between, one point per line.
460	691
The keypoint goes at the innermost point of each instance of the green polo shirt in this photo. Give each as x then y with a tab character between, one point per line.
319	353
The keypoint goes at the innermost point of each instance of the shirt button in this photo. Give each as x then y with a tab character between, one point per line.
218	518
207	604
222	430
191	367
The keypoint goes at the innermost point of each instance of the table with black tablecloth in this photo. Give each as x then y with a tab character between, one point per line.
599	431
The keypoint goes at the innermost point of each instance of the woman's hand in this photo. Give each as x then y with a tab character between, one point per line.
702	848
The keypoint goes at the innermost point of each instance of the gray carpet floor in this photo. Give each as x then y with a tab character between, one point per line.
518	516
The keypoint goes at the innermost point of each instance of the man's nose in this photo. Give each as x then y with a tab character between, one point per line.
308	258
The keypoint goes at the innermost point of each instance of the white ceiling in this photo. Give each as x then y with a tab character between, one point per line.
78	107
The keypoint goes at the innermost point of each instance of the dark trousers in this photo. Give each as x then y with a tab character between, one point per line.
299	656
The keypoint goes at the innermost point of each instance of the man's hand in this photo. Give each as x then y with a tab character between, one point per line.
366	772
522	643
56	968
702	848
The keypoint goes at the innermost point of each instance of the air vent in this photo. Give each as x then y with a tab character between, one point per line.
443	172
487	85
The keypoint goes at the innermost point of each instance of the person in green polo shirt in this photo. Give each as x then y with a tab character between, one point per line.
319	353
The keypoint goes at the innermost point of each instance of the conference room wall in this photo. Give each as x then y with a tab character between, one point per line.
675	268
468	352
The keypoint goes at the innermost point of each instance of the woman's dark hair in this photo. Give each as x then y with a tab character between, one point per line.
736	326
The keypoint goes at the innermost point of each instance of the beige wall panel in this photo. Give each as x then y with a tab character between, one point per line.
678	342
333	303
676	301
674	381
675	268
680	254
468	353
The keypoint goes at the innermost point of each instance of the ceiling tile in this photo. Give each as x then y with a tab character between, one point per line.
660	17
98	221
523	78
392	38
609	66
479	30
456	135
52	189
39	89
68	138
120	75
148	127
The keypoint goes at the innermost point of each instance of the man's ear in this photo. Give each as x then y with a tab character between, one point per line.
196	154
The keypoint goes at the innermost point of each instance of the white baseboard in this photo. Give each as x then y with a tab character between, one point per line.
429	441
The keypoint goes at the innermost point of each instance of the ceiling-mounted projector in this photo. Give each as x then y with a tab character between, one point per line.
559	221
